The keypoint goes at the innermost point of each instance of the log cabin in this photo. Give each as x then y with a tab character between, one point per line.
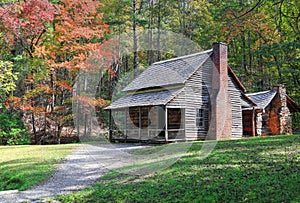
271	115
192	97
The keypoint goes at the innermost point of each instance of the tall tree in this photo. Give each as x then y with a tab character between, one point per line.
24	24
134	11
52	42
78	32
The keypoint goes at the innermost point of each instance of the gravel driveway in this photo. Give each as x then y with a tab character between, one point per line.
83	167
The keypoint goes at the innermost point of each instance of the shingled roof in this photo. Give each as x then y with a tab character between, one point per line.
262	99
165	74
246	102
170	72
145	99
173	72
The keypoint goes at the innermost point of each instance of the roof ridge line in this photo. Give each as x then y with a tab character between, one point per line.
157	89
256	93
176	94
196	69
271	98
182	57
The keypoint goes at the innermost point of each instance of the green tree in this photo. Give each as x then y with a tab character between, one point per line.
7	79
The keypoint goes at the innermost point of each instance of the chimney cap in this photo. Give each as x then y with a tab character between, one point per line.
278	86
221	43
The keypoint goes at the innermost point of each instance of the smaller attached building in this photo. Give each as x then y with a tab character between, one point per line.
272	115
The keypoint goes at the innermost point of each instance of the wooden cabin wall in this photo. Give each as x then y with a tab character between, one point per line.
266	126
236	108
270	122
271	117
195	96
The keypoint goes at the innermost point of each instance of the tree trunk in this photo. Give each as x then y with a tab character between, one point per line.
244	52
150	33
158	32
33	128
45	126
134	40
249	52
59	128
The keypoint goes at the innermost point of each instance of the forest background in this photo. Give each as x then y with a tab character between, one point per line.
44	45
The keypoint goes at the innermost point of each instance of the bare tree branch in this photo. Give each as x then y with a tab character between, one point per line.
250	10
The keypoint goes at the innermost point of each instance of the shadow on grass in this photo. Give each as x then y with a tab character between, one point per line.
264	169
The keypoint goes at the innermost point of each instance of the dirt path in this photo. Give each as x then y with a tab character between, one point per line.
80	169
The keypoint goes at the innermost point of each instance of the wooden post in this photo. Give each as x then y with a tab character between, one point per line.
110	126
125	127
85	125
140	123
166	124
148	127
184	124
253	122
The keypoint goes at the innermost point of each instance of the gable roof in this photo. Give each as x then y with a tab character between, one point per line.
262	99
246	102
170	72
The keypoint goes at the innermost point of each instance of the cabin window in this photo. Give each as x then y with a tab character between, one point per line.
174	118
200	116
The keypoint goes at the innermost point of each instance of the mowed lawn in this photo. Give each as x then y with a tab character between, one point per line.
22	167
261	169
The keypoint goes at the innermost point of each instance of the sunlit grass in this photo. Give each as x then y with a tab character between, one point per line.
261	169
22	167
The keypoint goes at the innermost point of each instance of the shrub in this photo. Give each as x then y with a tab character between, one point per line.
12	129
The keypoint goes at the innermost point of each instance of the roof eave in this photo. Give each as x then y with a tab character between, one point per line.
163	103
248	99
155	89
294	106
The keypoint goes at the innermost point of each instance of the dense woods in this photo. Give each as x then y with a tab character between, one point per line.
44	45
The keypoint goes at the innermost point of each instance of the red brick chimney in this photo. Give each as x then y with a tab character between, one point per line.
221	114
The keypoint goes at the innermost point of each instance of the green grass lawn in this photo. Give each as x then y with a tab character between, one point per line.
262	169
22	167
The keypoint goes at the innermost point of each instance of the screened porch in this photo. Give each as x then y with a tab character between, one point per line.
148	123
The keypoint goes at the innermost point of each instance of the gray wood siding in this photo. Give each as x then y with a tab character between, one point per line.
237	117
194	96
